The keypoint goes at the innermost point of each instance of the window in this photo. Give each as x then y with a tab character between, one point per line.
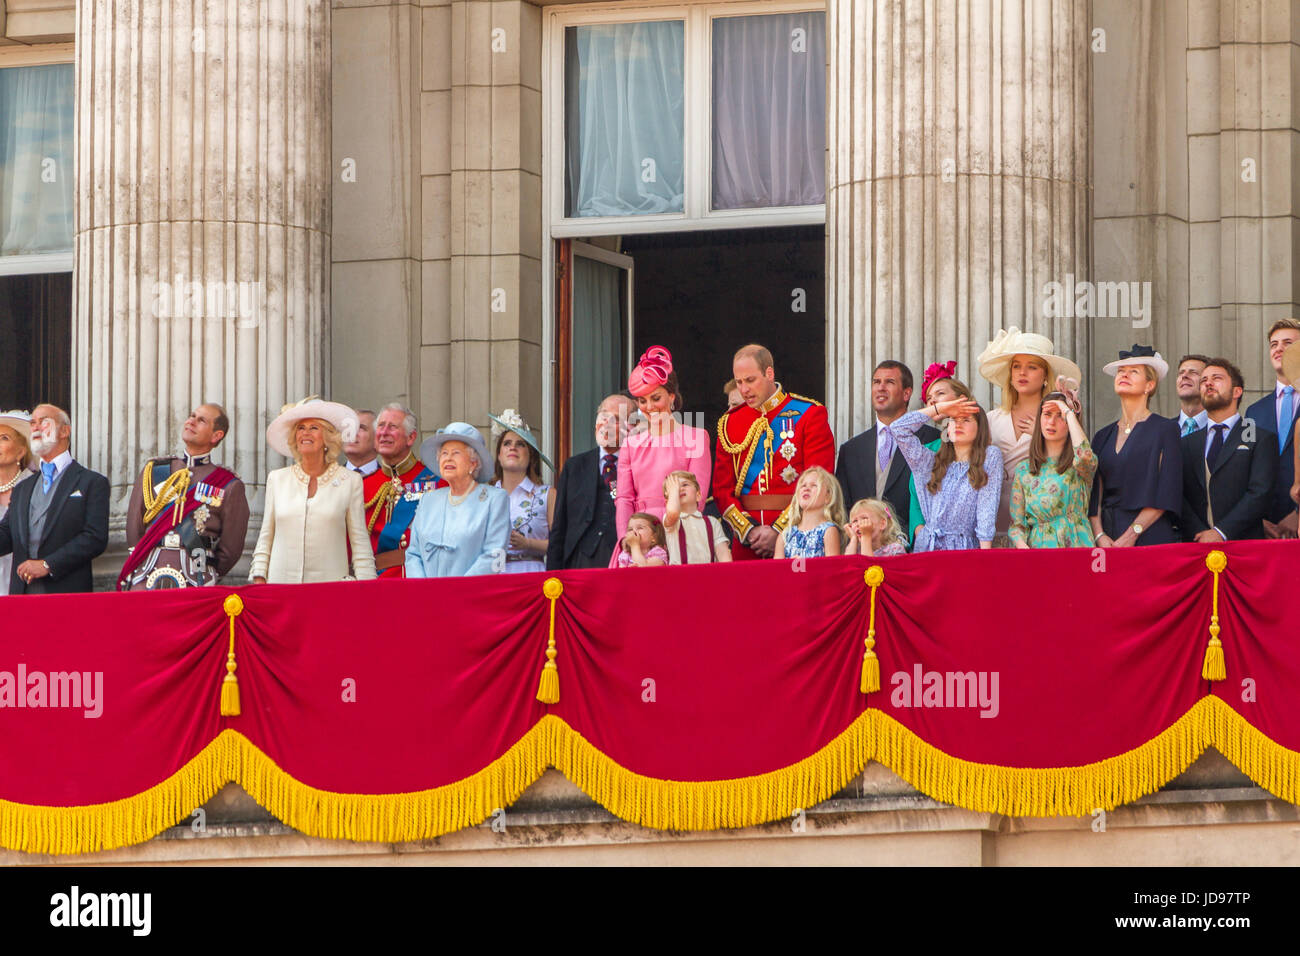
36	168
700	117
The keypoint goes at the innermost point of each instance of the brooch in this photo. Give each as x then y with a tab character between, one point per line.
788	474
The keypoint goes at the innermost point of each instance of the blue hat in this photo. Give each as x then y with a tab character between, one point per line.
462	432
512	421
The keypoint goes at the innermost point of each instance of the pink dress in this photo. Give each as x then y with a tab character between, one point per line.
624	558
644	462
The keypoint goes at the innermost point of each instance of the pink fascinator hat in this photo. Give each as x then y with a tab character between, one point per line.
652	370
934	372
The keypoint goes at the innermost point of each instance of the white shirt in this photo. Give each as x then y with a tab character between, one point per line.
703	536
1231	422
1200	419
366	470
61	464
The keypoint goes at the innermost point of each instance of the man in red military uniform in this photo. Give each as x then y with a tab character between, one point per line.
763	447
393	492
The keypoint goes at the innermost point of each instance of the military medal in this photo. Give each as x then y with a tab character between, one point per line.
788	474
787	448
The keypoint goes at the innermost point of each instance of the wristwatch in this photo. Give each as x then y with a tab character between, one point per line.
1137	529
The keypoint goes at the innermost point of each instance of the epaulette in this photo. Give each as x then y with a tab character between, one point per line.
803	398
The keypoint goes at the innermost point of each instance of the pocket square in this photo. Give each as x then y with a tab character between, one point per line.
77	494
1243	448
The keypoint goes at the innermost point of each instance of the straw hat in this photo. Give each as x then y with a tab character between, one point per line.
1139	355
995	361
462	432
340	416
21	422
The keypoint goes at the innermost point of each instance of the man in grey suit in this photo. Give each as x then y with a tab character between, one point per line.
57	523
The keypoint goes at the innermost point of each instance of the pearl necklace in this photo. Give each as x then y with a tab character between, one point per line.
10	485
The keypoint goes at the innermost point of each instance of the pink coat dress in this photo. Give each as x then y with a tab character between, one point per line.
644	463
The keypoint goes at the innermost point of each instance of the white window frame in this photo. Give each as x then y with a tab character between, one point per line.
697	142
45	54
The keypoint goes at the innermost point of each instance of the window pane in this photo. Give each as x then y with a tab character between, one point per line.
36	172
769	111
624	118
598	343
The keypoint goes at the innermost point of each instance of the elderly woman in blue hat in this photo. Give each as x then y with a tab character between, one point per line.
464	528
532	504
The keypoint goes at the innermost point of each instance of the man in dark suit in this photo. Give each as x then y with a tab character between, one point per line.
1276	413
1228	467
583	534
57	522
870	466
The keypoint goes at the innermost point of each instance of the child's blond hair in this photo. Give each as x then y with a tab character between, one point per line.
683	475
656	529
834	507
875	506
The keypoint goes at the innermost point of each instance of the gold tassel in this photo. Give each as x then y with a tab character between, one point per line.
548	690
1214	667
233	606
870	663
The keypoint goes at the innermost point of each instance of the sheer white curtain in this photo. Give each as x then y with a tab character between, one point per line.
624	116
769	111
36	172
597	344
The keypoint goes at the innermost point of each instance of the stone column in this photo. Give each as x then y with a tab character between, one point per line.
203	224
957	183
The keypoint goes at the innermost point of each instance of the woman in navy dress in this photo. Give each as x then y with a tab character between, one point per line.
1138	487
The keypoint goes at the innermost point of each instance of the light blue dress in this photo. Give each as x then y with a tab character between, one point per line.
807	544
454	540
958	517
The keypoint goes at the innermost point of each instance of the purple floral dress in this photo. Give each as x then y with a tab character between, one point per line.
958	517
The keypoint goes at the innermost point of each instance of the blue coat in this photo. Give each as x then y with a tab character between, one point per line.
457	540
1264	414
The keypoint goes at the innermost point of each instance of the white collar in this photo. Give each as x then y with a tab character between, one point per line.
366	470
1230	421
1201	418
61	462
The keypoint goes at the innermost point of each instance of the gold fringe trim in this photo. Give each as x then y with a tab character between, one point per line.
651	802
383	818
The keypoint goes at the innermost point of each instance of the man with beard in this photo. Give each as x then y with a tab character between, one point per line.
57	523
393	492
187	518
1229	467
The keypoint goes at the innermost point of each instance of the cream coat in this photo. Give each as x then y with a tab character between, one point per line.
305	540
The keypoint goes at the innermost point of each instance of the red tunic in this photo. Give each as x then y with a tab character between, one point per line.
393	501
754	457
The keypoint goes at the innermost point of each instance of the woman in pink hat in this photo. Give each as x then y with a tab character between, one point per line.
667	445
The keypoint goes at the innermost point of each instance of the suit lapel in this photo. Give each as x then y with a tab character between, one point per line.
1229	447
20	511
66	486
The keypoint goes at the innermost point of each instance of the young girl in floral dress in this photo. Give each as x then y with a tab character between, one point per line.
1049	493
815	517
874	530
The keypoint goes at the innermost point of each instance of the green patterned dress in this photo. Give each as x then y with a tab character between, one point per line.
1049	510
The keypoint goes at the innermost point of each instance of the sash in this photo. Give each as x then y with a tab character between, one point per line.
791	411
158	528
404	507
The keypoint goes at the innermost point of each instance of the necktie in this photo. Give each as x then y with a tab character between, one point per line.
1284	416
884	446
1189	426
609	470
47	475
1216	445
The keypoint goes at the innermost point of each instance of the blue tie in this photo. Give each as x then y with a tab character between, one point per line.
1189	426
47	475
1284	417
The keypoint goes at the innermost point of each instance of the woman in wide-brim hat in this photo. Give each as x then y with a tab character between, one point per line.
1025	366
518	473
314	513
464	528
15	456
1138	486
